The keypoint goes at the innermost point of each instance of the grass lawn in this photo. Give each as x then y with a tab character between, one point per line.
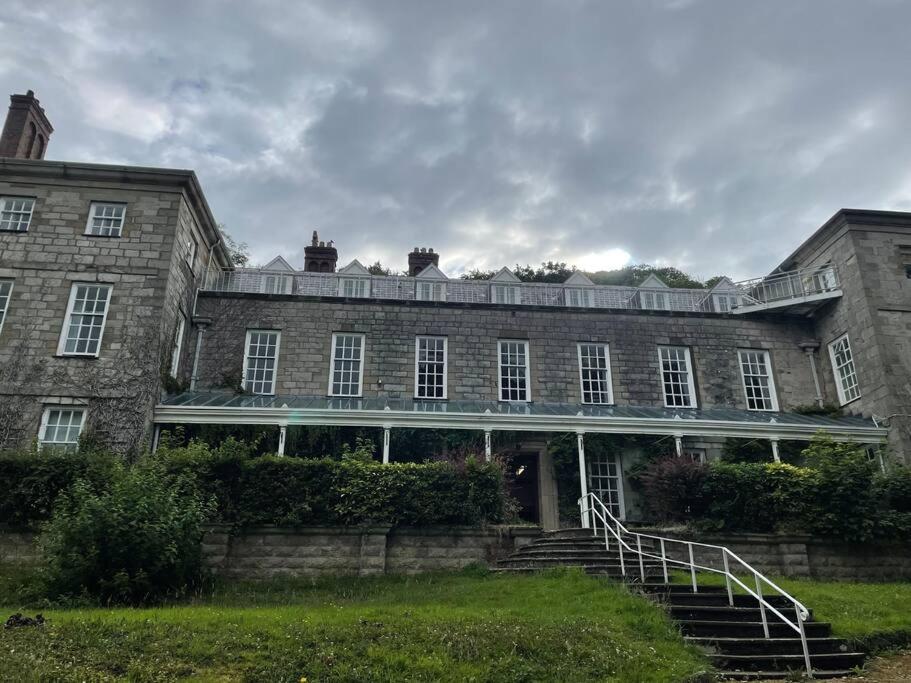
470	626
874	615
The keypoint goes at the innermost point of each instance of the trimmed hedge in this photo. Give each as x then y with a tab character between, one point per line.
287	491
839	494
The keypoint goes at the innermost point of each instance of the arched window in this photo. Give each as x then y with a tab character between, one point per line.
39	153
32	133
313	267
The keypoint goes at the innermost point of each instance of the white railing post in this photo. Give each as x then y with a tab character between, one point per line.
620	550
606	536
727	576
803	641
282	435
692	567
583	476
765	621
664	562
641	561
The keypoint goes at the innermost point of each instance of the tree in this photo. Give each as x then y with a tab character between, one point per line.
379	269
238	252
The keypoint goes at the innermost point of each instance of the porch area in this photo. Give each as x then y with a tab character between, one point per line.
537	490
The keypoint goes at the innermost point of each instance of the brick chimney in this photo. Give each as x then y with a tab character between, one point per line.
320	257
27	130
420	259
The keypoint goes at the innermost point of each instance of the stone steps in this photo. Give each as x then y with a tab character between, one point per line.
732	635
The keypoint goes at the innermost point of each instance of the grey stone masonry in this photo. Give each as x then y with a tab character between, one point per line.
146	268
871	251
390	328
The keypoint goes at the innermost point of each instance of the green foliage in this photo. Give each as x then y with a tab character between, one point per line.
378	268
354	490
362	452
673	488
31	480
135	542
628	276
238	252
838	494
760	451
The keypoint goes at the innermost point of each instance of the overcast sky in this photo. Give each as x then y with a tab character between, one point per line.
712	136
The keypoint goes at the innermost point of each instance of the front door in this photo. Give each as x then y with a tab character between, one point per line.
523	486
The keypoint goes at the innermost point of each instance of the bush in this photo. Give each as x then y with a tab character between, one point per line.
673	488
32	480
135	542
894	489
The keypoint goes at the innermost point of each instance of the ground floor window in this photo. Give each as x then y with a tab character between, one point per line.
60	428
604	482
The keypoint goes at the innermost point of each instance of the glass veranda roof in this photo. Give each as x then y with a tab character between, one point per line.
210	406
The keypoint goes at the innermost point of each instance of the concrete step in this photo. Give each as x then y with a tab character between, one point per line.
686	599
577	532
792	646
578	543
609	571
709	628
785	662
722	613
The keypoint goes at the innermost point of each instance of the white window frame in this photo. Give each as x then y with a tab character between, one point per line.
274	381
68	318
178	343
512	294
500	387
843	396
690	383
652	300
598	468
28	214
332	359
192	249
114	230
417	366
725	303
6	300
766	358
578	297
281	283
437	290
607	371
45	419
359	285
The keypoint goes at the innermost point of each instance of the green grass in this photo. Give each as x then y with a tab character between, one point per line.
469	626
874	615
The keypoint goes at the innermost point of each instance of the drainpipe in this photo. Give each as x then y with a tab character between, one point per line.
810	347
201	325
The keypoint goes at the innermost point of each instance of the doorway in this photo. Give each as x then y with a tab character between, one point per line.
524	486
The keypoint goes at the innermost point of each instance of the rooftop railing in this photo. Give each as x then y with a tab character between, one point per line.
773	290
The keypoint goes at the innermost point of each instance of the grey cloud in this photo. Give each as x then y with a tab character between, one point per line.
714	136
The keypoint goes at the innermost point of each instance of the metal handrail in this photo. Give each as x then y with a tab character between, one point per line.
593	511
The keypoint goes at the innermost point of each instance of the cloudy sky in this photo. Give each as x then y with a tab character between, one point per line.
712	136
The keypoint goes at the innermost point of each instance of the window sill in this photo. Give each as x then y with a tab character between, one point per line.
85	356
104	237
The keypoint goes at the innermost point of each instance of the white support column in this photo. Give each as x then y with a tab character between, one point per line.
678	444
488	449
386	435
583	475
282	435
156	436
775	455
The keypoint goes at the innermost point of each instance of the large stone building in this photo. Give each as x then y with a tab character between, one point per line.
120	311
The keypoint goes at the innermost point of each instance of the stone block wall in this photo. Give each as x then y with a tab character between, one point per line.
17	547
798	556
266	552
390	328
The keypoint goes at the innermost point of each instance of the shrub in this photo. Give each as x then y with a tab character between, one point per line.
673	488
32	480
894	489
135	542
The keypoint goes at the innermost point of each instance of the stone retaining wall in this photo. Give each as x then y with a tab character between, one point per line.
798	555
270	551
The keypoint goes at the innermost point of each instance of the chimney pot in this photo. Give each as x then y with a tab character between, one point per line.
420	258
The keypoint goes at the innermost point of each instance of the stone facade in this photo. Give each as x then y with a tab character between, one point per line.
472	330
871	250
150	280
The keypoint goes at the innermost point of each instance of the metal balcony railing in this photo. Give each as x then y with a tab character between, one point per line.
777	289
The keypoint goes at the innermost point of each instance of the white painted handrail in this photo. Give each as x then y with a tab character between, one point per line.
596	512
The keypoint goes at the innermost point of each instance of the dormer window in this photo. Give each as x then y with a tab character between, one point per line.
275	283
354	287
725	303
576	296
431	291
505	294
653	301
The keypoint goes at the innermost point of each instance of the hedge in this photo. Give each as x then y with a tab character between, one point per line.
285	491
839	494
